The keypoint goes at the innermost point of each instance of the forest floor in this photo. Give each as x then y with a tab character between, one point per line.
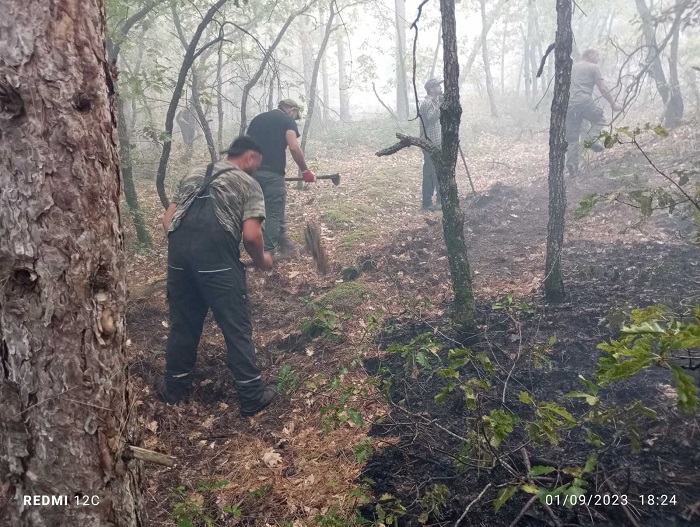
333	444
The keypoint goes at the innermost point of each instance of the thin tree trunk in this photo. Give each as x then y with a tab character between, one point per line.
307	56
324	77
263	64
503	59
675	106
271	93
463	315
343	94
554	280
219	100
125	131
177	93
656	69
127	172
538	52
66	415
437	50
493	16
526	68
487	61
201	116
532	48
314	76
401	86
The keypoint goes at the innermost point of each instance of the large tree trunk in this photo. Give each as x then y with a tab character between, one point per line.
401	86
445	161
487	61
343	94
65	413
554	280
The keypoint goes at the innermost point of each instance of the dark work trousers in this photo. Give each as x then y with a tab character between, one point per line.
575	116
430	184
275	193
204	272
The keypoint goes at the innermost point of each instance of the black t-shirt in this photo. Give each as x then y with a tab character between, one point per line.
269	129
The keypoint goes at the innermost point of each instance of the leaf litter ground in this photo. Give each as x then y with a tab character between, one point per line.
305	457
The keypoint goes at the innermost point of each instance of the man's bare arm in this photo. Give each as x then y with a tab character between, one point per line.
168	217
254	245
295	150
605	92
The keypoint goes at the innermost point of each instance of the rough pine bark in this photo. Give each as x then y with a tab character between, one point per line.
452	216
554	280
66	415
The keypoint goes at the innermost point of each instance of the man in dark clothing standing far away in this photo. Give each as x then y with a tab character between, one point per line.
585	75
275	131
214	209
430	129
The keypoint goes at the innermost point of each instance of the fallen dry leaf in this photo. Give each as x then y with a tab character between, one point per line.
271	458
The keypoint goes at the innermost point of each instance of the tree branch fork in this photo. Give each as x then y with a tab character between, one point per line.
408	140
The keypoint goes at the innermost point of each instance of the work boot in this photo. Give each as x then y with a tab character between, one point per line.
572	170
286	250
172	393
269	394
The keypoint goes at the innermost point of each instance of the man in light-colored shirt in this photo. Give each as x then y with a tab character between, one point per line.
215	209
585	75
429	122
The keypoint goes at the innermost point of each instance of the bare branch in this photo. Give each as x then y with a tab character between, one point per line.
544	60
404	142
391	112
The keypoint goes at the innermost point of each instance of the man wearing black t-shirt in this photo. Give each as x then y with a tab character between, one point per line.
274	131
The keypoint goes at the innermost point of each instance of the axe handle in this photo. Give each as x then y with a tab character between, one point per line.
330	176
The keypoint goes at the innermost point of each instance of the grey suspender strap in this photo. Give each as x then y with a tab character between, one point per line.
209	177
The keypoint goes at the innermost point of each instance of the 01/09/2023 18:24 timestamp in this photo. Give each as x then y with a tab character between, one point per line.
593	500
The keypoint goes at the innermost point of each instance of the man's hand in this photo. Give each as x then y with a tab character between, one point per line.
309	177
267	262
